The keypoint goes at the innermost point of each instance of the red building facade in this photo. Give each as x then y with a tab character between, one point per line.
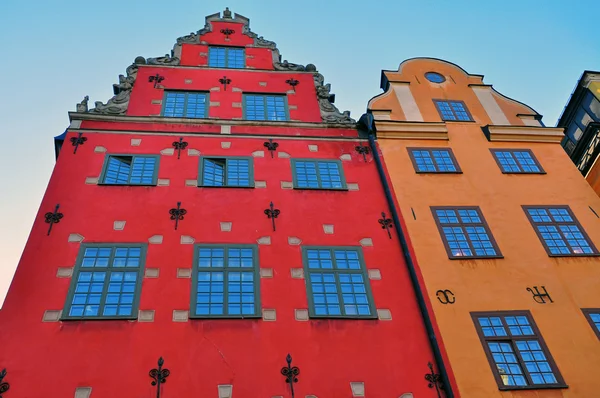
217	213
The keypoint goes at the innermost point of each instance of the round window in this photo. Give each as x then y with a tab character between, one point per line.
435	77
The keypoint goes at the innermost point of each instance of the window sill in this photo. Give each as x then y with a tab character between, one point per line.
100	318
575	255
343	317
439	172
236	317
476	257
126	185
534	387
225	186
523	172
321	189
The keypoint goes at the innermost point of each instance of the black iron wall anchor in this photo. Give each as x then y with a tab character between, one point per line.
271	146
434	380
225	81
179	145
292	82
76	141
445	296
386	223
290	372
177	214
227	32
272	214
156	79
159	376
363	150
538	296
53	218
4	386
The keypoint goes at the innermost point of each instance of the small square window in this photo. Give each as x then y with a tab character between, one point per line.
453	111
226	282
130	170
318	174
593	317
516	351
517	161
226	172
465	233
337	283
226	57
265	107
559	231
190	104
434	160
106	282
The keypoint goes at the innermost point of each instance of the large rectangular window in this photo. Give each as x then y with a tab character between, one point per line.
559	231
433	160
106	282
189	104
465	232
226	282
453	110
593	317
226	172
318	174
337	283
265	107
519	161
226	57
130	170
516	351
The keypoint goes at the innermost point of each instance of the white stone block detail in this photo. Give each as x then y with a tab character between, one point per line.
146	316
269	315
358	388
64	272
236	90
168	151
215	88
313	148
163	182
184	272
187	240
328	229
352	186
100	149
119	225
75	238
156	102
226	226
260	184
366	242
155	239
51	315
236	104
225	390
262	84
136	141
374	274
180	315
266	272
292	107
293	240
265	240
225	129
283	154
151	273
225	145
301	314
193	152
384	314
92	180
346	157
258	154
214	103
187	81
287	185
297	273
191	183
83	392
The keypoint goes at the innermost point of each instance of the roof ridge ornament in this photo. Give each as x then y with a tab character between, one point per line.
227	13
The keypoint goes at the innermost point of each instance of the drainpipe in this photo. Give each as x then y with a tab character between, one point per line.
367	121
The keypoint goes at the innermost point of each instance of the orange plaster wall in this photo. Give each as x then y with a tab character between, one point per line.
498	284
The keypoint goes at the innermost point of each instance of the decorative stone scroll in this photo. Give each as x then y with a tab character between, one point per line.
329	112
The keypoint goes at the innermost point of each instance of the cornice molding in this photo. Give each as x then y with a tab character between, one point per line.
391	129
552	135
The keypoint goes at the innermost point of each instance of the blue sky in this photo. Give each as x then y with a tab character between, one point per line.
56	52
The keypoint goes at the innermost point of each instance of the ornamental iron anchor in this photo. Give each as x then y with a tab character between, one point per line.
159	375
227	32
292	82
4	386
386	223
225	81
445	296
290	372
53	218
272	214
76	141
271	146
363	150
538	296
177	214
179	145
435	380
156	79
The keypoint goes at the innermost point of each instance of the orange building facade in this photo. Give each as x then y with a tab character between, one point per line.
503	227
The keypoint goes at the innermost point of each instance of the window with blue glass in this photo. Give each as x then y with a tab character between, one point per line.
433	160
226	282
465	233
559	231
226	172
453	110
130	170
226	57
337	283
265	107
516	351
106	282
318	174
189	104
593	317
518	161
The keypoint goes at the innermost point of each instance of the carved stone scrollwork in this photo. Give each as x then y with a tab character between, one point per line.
285	65
166	60
329	112
83	105
117	105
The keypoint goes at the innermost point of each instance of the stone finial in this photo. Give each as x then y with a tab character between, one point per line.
83	105
227	13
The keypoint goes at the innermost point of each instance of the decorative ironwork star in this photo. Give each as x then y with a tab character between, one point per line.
292	82
272	214
363	150
225	81
434	379
290	372
53	218
159	375
76	141
386	223
227	32
179	145
156	79
271	146
177	214
4	386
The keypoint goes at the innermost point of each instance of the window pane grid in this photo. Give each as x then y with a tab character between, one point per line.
452	110
265	107
226	57
232	172
428	160
318	174
517	161
226	282
130	170
106	282
559	231
185	104
516	351
593	317
465	233
337	283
